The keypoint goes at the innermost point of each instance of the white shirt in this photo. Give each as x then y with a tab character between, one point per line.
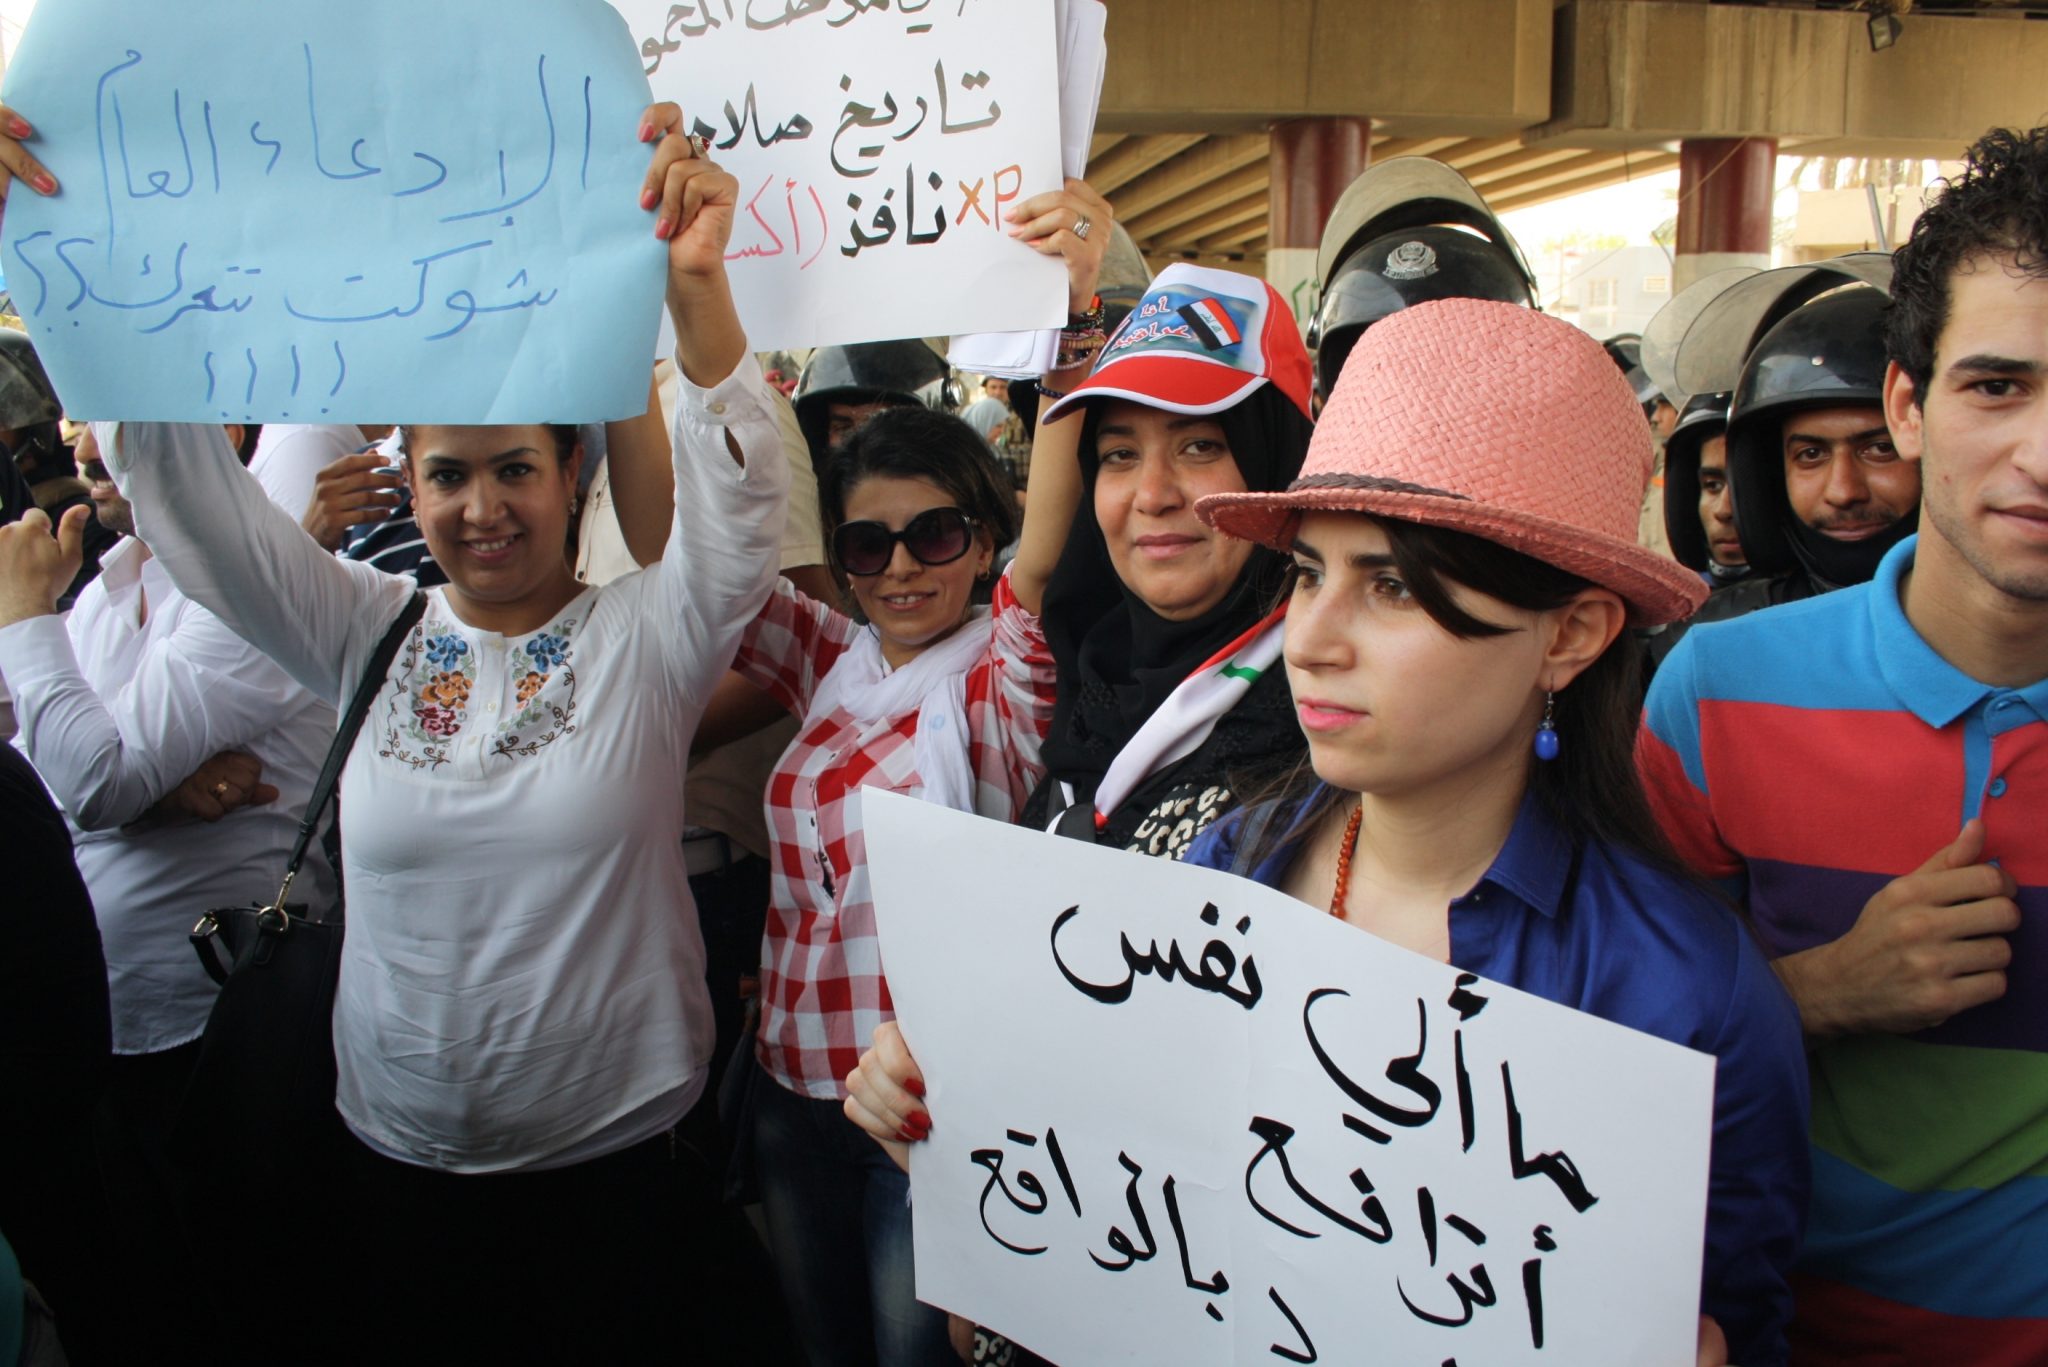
115	711
523	977
724	786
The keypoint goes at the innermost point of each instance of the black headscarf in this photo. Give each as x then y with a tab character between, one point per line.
1117	659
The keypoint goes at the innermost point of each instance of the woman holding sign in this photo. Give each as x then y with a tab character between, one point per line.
1464	564
521	1026
1163	629
928	693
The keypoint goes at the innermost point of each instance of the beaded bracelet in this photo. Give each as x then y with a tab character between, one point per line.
1088	319
1078	348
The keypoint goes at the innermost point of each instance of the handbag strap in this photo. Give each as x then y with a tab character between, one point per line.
351	723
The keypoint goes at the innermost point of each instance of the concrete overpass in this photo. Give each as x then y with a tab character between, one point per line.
1229	126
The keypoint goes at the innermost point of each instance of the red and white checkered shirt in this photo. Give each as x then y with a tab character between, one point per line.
822	991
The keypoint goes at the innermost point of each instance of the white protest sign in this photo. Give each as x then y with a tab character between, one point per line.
877	147
1180	1117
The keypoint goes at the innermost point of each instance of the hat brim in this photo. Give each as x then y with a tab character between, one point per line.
1655	589
1178	384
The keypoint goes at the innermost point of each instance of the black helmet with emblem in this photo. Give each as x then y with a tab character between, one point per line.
1701	417
1405	232
1625	349
30	412
907	373
1800	337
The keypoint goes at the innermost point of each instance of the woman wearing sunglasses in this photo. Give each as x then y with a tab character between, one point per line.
1464	564
940	687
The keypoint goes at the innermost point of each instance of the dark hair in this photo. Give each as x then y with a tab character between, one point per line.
1998	204
1591	790
564	435
921	443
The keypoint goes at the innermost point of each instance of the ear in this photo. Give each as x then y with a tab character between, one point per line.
1582	631
236	432
1903	412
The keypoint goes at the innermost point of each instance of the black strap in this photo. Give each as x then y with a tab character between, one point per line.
351	723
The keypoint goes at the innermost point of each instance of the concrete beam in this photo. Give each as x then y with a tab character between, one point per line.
1649	165
1252	208
1475	68
1639	72
1133	157
1218	156
1214	195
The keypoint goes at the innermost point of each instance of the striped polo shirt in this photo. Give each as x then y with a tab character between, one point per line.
1811	754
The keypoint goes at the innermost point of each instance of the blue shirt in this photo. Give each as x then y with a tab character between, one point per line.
1599	929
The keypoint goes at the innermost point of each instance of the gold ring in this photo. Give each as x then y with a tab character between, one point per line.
220	790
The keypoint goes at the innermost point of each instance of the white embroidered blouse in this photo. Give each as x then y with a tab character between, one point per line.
523	979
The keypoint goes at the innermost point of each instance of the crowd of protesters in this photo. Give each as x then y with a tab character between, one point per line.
1374	624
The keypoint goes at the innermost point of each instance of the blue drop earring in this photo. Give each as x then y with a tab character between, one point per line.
1546	730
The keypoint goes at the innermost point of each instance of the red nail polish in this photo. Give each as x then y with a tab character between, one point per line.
907	1135
647	132
648	199
921	1119
914	1086
662	230
19	126
42	181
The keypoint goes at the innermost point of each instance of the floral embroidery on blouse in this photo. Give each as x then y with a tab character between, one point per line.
437	678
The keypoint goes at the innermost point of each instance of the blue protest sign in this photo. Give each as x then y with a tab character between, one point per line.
385	211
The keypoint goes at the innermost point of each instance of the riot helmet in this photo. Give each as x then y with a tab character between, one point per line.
1703	417
1399	236
906	372
1625	349
29	409
1827	353
1123	279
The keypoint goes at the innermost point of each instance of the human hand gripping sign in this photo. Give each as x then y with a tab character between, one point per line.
1072	223
16	162
691	195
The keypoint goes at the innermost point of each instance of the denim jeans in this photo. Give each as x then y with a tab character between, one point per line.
838	1213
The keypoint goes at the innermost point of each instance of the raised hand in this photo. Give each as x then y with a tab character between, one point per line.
692	198
16	161
1051	223
35	567
349	492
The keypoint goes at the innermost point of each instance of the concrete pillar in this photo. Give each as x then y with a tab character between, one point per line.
1312	161
1725	188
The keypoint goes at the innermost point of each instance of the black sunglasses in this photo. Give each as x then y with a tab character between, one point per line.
937	536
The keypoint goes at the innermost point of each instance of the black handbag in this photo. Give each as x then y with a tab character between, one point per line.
261	1094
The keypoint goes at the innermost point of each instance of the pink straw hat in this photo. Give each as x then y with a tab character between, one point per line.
1490	419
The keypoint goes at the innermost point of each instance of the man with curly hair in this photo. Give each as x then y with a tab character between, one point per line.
1870	770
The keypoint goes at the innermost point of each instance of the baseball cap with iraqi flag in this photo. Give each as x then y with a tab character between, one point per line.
1198	341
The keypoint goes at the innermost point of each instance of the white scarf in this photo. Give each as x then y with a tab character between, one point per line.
934	684
1181	723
